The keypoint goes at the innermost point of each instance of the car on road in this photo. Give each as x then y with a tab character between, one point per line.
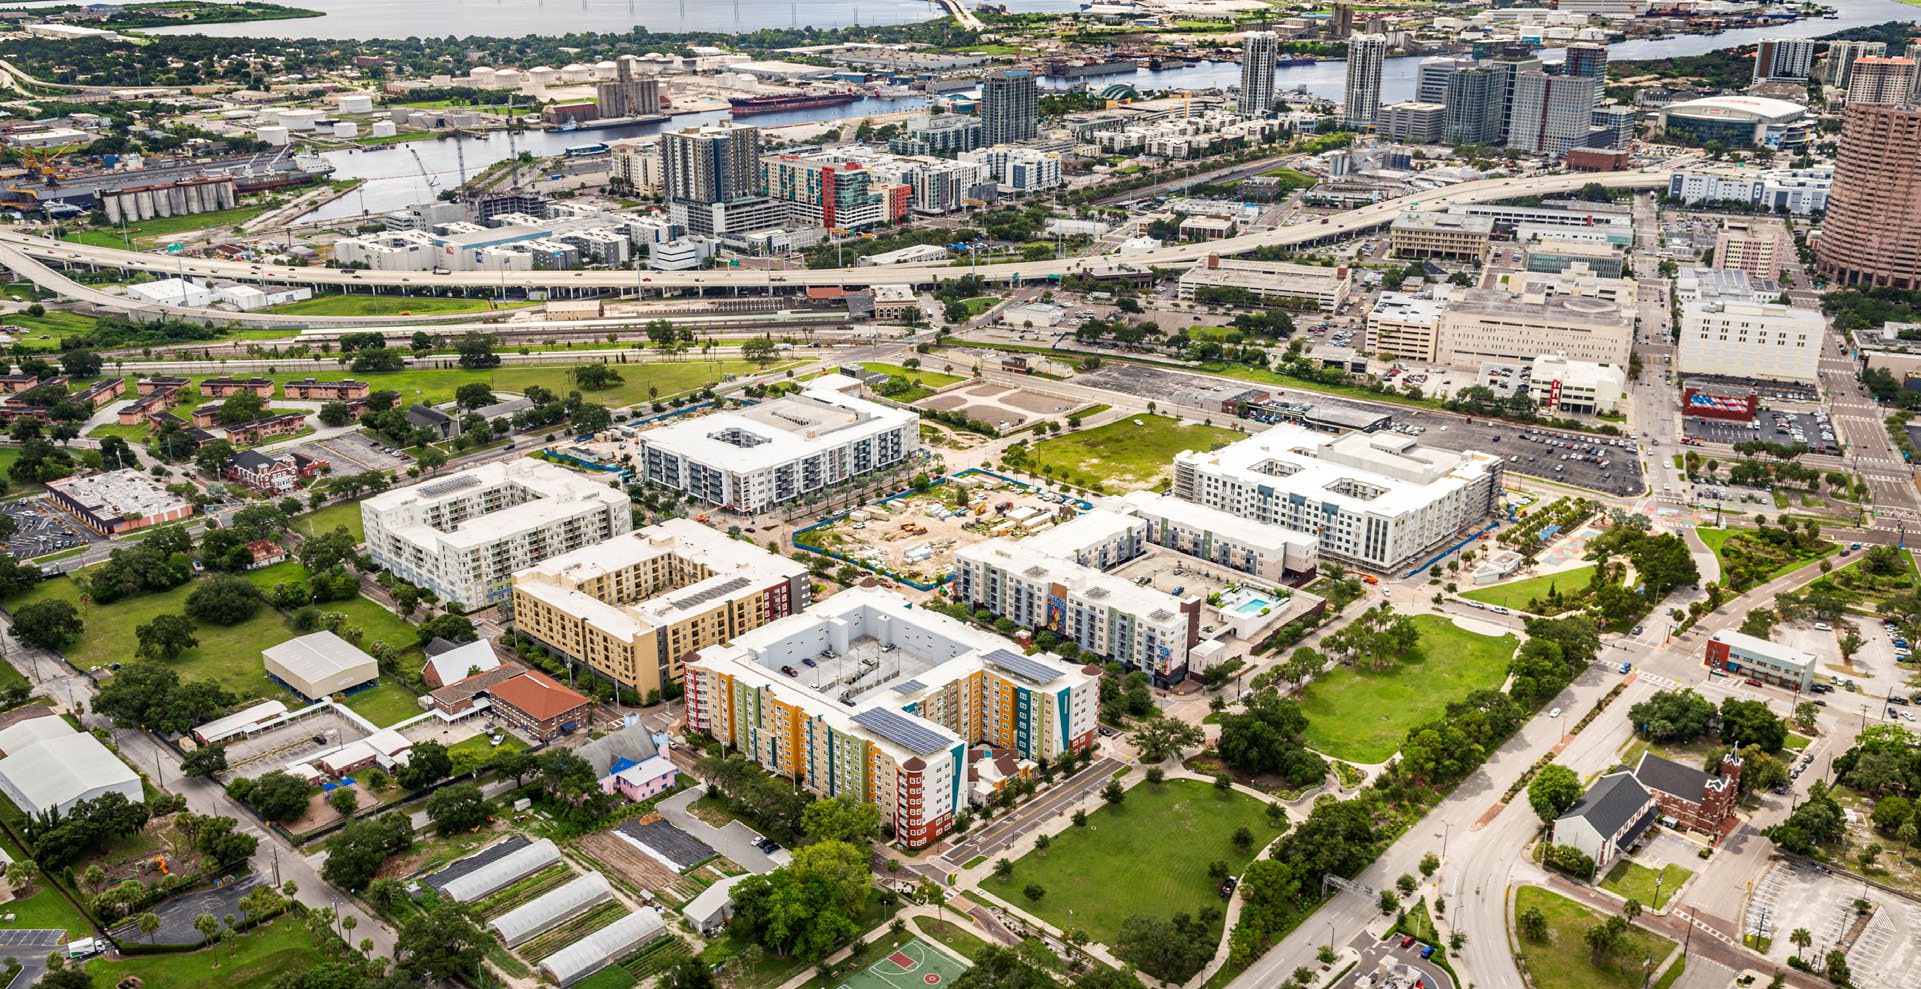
1627	667
1554	713
1752	682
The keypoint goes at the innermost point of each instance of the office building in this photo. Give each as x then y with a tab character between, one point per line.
1406	325
1611	127
1414	123
941	136
1010	107
1559	385
1881	80
753	458
868	697
822	190
1783	58
1494	325
628	94
465	536
1039	586
1476	99
1588	60
1760	247
1258	51
1551	114
1842	56
1270	280
1431	85
1742	655
1872	233
1751	340
1366	57
1378	501
633	608
1420	234
1264	552
1738	122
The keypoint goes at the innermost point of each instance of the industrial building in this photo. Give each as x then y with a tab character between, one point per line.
464	536
634	607
1421	234
319	665
1377	501
1751	340
182	197
752	458
867	696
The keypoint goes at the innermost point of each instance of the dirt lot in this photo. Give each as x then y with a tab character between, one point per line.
875	534
625	861
1003	405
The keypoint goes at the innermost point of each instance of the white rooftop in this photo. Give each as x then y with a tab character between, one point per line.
485	504
1382	473
776	432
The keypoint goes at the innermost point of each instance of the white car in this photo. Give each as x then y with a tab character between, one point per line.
1824	626
1554	713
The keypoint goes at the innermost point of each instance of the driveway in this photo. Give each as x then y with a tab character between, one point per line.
736	840
31	947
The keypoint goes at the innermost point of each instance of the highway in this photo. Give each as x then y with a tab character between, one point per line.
16	250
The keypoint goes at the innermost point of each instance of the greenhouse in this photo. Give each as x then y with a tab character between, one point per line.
552	909
603	947
518	865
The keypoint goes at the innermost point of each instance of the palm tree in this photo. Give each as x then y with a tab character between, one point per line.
1801	940
229	921
208	927
149	924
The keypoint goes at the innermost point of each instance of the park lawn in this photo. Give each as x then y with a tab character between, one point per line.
963	941
163	227
1360	715
919	376
345	513
384	703
1564	961
55	322
1290	179
228	655
1516	594
345	304
252	960
135	434
1636	881
435	385
1146	855
46	909
378	624
1719	539
1122	454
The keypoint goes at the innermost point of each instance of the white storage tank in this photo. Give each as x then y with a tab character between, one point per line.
606	70
575	72
543	75
383	128
346	128
274	135
507	79
356	103
483	76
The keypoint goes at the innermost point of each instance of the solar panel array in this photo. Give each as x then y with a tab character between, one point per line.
707	594
1025	667
458	482
909	733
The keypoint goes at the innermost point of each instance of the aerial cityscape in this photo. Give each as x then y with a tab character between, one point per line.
960	494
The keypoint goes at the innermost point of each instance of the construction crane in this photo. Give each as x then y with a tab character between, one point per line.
42	163
433	188
513	148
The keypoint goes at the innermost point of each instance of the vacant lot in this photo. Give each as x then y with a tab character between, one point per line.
1146	855
1516	594
346	513
1361	715
1121	455
1565	962
1636	881
381	305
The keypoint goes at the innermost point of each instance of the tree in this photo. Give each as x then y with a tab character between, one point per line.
212	457
165	638
1113	792
1160	739
343	801
440	945
1552	791
277	796
688	973
841	819
1532	924
427	764
477	352
1033	892
596	377
453	628
224	600
336	414
1604	938
1801	939
1672	716
1430	863
457	808
760	350
204	761
474	395
1751	723
208	925
47	624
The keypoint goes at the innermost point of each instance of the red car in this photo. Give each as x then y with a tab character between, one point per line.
1406	940
1752	682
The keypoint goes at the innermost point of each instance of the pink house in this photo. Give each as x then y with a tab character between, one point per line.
630	763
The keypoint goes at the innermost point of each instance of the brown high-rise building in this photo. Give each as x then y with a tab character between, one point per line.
1872	233
1881	80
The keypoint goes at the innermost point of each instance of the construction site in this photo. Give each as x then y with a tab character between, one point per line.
915	535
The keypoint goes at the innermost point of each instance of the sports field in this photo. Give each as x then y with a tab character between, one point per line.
914	965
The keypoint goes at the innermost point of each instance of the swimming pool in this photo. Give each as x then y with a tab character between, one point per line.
1247	601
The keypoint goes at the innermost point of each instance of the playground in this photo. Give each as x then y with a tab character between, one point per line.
914	964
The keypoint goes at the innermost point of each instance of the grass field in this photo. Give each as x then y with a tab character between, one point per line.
379	624
342	304
164	227
1564	962
670	377
46	909
132	434
1718	540
1122	454
55	322
925	382
1361	715
950	933
1146	855
249	961
384	703
1636	881
346	513
1517	594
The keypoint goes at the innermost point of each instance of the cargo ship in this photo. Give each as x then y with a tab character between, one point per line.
1294	60
747	106
1081	70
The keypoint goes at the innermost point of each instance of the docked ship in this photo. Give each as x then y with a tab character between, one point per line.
747	106
1293	60
1081	70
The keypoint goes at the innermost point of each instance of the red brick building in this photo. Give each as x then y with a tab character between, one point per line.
223	387
327	391
1695	800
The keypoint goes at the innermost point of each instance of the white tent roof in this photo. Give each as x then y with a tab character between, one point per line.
597	950
55	773
515	865
554	908
17	737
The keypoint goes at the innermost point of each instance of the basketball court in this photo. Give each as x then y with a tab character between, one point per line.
915	964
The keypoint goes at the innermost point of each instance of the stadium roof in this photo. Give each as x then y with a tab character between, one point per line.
1756	107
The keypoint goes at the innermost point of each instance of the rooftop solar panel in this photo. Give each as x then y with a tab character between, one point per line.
909	686
456	483
1025	667
909	733
715	592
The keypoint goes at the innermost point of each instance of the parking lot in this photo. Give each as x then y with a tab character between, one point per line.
1812	430
290	742
354	453
40	528
1599	463
1883	946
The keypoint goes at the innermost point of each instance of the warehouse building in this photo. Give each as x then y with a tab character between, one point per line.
319	665
634	607
464	536
118	501
753	458
49	766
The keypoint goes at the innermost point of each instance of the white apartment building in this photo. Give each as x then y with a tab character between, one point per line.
945	186
1110	616
1493	325
866	696
1377	501
464	536
1751	340
1265	552
1800	191
1560	385
639	165
752	458
1017	170
1407	325
1271	280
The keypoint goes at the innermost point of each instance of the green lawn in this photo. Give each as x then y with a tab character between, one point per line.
919	376
46	909
252	960
1516	594
96	238
1146	855
1361	715
1290	179
385	703
54	322
1636	881
1564	961
1734	547
1123	455
342	304
470	752
379	624
135	434
670	377
345	513
164	227
953	935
